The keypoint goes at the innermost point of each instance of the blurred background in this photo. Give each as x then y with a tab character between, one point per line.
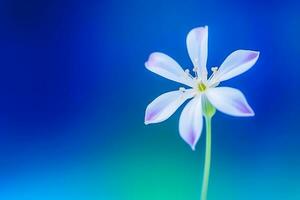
73	91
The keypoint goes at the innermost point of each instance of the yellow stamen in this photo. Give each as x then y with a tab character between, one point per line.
201	87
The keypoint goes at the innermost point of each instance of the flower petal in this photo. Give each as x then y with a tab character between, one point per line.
191	122
196	42
167	67
165	105
235	64
230	101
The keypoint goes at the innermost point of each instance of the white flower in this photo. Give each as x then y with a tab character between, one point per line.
202	89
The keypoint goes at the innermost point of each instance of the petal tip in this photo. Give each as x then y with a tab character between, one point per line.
193	147
200	29
255	54
151	59
252	55
147	65
251	113
148	118
192	141
248	112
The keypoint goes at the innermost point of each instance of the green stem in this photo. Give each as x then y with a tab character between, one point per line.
207	159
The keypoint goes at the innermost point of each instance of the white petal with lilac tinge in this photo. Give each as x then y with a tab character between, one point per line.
165	105
236	63
196	42
230	101
191	122
167	67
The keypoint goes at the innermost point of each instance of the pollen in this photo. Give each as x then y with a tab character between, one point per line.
214	69
201	87
182	89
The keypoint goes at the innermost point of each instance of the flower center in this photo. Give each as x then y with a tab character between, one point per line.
201	87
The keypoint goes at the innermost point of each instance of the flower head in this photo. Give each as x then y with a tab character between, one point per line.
202	89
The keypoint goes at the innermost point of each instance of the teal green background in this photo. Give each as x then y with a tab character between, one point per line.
73	91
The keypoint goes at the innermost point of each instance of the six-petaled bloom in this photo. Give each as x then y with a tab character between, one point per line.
202	89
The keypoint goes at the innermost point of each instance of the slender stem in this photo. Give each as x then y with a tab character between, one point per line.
207	159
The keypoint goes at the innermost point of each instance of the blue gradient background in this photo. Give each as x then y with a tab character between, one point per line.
74	89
